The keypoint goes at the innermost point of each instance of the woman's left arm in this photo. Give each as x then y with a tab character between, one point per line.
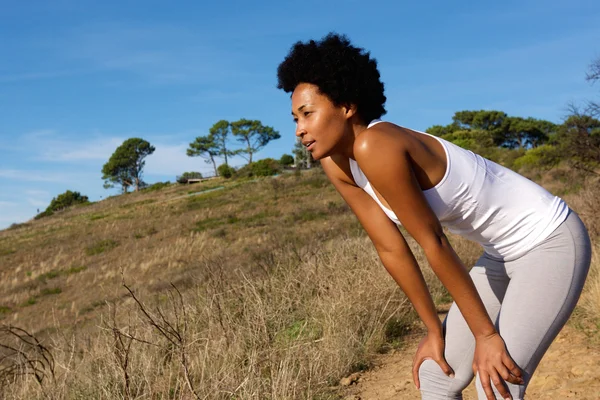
386	162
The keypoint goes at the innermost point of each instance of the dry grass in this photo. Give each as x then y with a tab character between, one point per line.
586	203
268	289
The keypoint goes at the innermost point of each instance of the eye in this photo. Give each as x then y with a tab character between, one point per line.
295	120
307	112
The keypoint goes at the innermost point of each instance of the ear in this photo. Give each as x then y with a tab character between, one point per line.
350	110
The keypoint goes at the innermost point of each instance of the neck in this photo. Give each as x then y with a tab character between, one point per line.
346	147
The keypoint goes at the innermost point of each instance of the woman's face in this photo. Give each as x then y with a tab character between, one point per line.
319	123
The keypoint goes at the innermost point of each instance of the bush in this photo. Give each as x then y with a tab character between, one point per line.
286	160
43	214
183	178
17	225
66	199
157	186
264	167
542	157
225	171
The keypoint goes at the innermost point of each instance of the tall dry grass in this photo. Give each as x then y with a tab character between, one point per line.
319	313
586	202
281	295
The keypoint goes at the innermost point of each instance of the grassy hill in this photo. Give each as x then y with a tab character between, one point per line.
261	289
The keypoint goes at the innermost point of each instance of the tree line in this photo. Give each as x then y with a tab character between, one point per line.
513	141
125	166
251	133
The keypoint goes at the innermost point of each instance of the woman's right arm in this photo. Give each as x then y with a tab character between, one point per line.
394	252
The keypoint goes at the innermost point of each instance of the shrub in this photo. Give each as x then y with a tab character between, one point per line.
264	167
542	157
62	201
43	214
17	225
157	186
286	160
183	178
225	171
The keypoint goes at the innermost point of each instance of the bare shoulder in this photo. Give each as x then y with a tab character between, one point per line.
383	138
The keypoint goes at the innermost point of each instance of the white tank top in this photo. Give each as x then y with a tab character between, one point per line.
485	202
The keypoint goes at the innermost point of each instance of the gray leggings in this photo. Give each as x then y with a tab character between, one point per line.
530	299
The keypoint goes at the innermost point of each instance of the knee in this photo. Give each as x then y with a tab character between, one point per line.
435	385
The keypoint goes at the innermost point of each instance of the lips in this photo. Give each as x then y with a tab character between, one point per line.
308	144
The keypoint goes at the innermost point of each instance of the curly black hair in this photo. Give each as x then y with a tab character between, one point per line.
344	73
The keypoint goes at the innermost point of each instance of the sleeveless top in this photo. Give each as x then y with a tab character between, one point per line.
506	213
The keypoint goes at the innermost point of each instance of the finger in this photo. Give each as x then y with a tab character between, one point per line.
505	373
514	370
485	384
445	367
415	372
499	383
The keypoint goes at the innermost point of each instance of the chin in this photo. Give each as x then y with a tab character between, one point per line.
318	156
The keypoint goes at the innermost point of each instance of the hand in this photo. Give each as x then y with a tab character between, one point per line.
430	348
492	361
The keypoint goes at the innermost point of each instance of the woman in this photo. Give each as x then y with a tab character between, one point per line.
519	294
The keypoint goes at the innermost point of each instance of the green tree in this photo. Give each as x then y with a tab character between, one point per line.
207	147
464	119
286	160
526	133
302	156
440	130
126	164
254	135
579	138
220	132
508	132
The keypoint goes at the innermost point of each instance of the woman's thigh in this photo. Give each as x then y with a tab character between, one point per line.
544	287
491	282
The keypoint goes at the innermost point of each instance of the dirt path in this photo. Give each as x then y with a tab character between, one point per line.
569	370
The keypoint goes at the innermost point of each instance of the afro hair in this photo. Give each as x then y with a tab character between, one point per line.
344	73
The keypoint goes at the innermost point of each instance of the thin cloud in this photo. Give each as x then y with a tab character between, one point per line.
37	202
50	145
98	149
6	220
38	176
38	75
159	53
39	134
35	192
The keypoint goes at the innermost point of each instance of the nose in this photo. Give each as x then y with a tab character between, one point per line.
300	131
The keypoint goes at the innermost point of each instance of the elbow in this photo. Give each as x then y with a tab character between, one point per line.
436	245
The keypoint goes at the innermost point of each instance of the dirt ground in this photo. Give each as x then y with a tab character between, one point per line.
569	370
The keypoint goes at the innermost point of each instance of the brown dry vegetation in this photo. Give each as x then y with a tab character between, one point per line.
264	289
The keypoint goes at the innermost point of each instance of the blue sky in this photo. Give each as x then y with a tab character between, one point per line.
77	77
